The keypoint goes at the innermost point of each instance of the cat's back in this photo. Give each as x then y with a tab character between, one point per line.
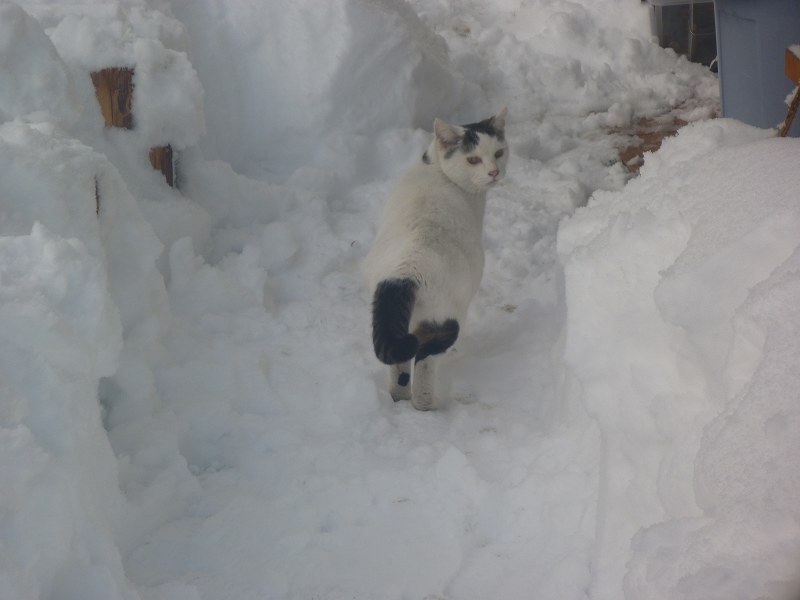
398	239
424	198
421	184
429	227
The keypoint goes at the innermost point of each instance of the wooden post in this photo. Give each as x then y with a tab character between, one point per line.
161	159
787	122
792	69
114	90
792	66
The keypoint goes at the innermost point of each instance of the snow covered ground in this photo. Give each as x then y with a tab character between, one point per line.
189	404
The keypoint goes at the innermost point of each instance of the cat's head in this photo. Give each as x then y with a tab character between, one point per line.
472	156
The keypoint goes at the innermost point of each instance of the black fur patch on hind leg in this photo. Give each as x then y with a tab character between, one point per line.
435	338
403	379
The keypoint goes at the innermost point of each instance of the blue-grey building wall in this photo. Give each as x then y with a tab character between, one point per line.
752	37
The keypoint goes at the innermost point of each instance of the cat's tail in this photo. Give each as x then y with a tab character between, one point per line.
391	313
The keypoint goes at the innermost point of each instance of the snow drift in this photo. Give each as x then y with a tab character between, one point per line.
681	283
190	408
323	69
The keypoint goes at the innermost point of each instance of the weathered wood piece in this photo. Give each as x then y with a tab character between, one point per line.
114	90
161	159
792	69
792	65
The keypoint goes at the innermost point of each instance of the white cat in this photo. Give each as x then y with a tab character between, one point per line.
427	259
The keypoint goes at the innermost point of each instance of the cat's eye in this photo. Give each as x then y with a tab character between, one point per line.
499	153
474	160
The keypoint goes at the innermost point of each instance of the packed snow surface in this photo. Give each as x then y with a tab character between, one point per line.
190	408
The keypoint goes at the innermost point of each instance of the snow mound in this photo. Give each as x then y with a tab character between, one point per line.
679	294
168	98
190	405
324	68
36	82
61	333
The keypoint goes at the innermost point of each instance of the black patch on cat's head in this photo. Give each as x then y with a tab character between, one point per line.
486	127
469	140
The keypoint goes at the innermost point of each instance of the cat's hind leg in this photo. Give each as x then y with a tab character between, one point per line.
434	339
400	382
424	396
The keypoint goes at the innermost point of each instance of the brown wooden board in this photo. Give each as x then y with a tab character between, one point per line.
114	90
161	159
792	66
644	135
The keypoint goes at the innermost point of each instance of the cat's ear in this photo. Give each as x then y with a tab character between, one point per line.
499	120
447	135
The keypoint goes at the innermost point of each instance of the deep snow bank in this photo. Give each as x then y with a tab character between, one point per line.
571	66
285	79
59	333
224	339
93	334
61	323
682	324
81	302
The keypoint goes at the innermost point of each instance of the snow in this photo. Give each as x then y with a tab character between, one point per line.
670	353
191	408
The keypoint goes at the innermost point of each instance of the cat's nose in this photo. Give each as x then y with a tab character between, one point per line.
494	173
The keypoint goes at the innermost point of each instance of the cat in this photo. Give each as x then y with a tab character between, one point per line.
427	259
